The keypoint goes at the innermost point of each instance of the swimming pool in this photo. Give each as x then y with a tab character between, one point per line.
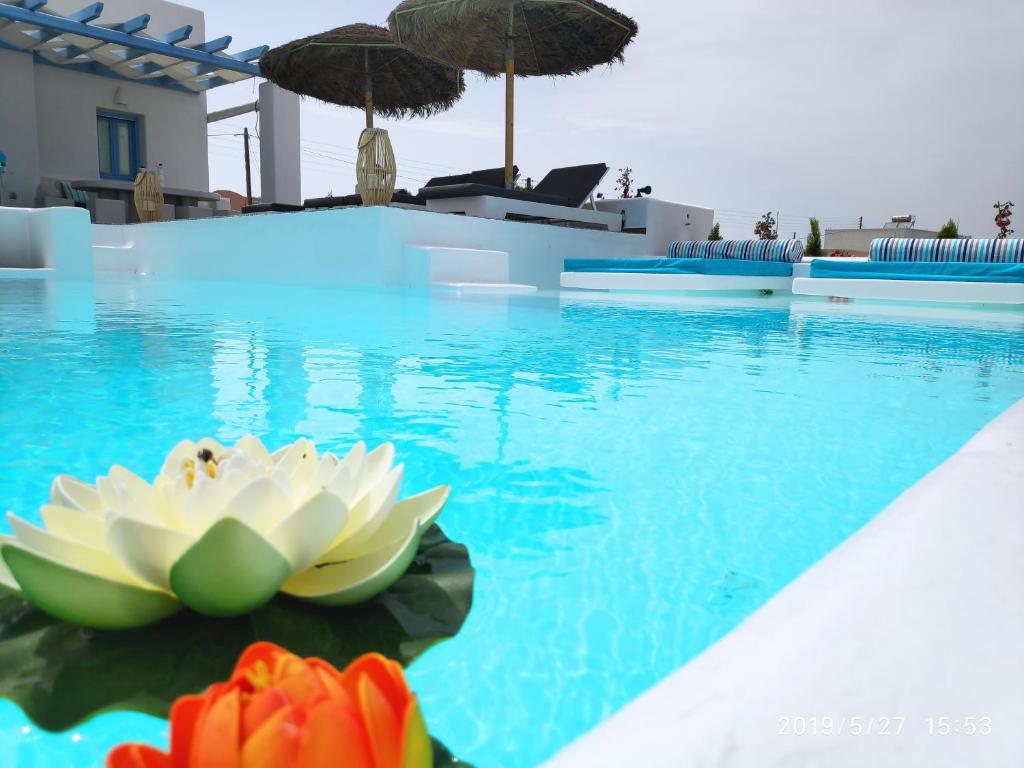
632	480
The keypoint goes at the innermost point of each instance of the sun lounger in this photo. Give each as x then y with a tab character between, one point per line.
351	201
693	265
557	198
492	177
270	208
957	271
488	176
724	265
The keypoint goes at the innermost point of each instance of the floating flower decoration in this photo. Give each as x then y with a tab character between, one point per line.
278	711
221	530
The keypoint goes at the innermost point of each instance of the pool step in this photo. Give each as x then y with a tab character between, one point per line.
464	268
488	287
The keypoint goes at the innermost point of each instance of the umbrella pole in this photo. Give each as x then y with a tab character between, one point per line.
510	88
368	91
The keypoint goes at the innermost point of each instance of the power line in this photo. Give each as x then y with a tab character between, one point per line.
329	161
420	166
404	159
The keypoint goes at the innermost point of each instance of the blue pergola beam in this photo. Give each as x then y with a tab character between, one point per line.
173	37
84	16
100	70
28	5
213	46
178	35
87	14
129	27
132	26
253	54
62	25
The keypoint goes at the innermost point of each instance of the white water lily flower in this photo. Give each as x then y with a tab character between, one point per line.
220	530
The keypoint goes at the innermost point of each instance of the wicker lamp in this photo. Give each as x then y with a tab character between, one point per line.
149	197
376	172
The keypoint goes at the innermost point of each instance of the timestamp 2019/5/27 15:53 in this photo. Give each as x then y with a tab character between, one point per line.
856	725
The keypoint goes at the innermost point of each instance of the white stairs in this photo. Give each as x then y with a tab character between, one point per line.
465	270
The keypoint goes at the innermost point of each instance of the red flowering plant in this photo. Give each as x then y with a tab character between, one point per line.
1004	214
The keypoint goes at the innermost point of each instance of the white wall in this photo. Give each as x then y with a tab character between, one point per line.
15	246
172	129
47	238
348	246
18	134
280	146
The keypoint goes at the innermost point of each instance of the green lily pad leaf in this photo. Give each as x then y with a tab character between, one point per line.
230	571
61	674
444	759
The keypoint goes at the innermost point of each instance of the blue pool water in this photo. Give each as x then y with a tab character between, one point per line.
632	480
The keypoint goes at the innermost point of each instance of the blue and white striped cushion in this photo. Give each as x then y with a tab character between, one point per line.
991	251
746	250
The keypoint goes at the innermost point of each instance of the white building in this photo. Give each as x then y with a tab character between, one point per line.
857	242
92	94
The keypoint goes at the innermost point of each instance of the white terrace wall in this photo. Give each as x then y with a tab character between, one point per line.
349	246
52	239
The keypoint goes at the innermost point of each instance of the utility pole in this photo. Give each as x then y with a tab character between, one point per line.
860	223
248	171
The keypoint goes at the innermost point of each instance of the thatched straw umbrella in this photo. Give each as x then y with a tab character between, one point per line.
361	66
513	37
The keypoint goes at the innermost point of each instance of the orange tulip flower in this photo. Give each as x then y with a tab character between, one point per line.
281	711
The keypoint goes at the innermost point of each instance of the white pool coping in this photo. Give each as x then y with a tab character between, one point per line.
639	281
911	290
919	615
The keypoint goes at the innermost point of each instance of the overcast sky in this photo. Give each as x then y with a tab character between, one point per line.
831	108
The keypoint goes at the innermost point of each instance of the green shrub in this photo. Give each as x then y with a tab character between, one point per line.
814	239
949	231
716	232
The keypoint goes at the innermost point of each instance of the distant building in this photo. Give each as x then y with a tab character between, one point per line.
235	200
857	242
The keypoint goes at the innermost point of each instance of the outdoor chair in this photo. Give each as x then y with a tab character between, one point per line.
351	201
489	176
269	208
694	265
557	198
986	271
101	210
78	198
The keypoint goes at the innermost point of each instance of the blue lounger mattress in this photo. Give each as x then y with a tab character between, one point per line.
938	271
736	267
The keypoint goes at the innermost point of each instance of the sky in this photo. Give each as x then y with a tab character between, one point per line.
830	108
